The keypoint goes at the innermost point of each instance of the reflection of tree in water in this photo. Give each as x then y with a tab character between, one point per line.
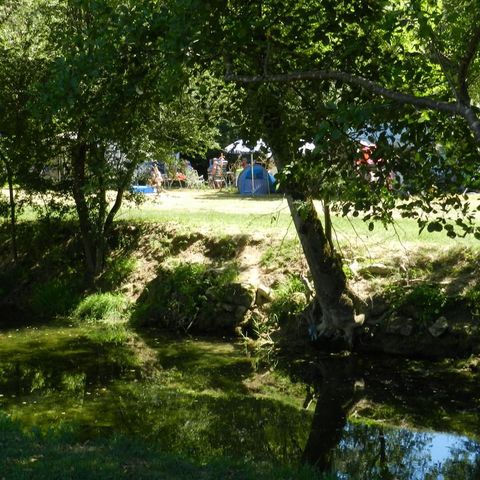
366	452
371	453
464	463
334	388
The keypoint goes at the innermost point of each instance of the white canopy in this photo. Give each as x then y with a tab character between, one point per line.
238	147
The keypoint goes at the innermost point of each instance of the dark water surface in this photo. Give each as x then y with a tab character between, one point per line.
203	398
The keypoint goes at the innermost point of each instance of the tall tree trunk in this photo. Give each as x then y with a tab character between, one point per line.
12	208
332	293
79	157
13	216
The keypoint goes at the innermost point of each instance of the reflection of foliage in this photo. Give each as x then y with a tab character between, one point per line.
464	464
369	453
52	454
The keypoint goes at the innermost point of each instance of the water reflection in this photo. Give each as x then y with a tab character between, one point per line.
364	452
203	399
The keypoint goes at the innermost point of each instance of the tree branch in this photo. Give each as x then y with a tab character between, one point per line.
421	102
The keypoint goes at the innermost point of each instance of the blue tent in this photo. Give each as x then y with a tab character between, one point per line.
256	182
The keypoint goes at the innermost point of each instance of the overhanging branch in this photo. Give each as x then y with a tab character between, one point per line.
404	98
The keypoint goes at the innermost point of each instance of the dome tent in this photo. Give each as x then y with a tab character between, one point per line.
255	181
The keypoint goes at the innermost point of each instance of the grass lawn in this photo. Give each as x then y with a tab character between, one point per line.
226	213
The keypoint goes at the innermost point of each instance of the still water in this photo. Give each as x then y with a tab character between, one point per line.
363	418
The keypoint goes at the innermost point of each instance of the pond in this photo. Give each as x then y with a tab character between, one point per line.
363	418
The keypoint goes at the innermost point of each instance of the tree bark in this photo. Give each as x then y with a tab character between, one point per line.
12	209
332	293
79	156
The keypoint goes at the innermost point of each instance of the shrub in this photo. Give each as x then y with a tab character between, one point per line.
179	295
290	299
54	297
101	307
424	300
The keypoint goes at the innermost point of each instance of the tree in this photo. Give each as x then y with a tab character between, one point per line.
113	99
324	70
21	66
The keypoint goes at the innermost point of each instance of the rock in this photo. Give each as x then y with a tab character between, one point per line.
400	326
376	269
299	298
439	327
227	307
242	294
360	319
240	312
263	295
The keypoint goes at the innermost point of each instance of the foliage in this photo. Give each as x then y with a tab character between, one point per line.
424	301
57	296
422	48
183	294
472	296
101	307
290	299
117	270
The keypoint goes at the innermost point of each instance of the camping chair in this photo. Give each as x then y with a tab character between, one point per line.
218	178
194	180
176	177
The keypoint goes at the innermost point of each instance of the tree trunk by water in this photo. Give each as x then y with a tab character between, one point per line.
336	312
337	309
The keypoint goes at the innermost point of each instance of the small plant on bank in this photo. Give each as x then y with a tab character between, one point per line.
424	302
108	315
102	307
472	298
290	300
117	271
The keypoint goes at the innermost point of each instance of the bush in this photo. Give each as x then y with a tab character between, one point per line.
102	307
180	295
424	301
290	299
54	297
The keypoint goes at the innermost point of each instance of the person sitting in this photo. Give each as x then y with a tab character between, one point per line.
217	173
156	179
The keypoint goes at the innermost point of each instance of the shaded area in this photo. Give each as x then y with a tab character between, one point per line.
202	400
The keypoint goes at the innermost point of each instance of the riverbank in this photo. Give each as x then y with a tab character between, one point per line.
93	364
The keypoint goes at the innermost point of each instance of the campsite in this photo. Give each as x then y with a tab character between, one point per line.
239	240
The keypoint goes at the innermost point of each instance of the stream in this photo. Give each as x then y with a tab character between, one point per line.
364	418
